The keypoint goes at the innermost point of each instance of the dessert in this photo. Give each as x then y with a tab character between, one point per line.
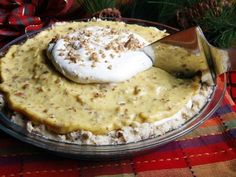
99	55
148	104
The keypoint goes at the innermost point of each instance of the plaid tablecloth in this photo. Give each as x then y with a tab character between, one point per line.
209	151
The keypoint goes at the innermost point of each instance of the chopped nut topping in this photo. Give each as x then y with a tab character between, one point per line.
137	90
25	86
72	108
97	95
45	110
132	43
94	56
57	80
61	50
66	92
79	99
84	136
40	89
75	46
20	94
108	47
52	116
73	59
97	40
109	67
93	65
87	33
118	109
111	55
114	31
54	39
101	51
103	55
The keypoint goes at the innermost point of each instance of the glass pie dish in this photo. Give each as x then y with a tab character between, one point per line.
113	151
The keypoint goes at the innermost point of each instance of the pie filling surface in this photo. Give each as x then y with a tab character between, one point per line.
34	88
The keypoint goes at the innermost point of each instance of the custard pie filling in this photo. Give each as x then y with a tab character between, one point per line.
119	101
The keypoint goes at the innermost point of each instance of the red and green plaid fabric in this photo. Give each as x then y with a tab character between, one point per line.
210	150
21	16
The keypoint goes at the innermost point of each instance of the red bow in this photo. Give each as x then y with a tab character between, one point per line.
20	16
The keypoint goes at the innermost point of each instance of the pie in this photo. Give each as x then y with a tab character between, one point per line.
48	104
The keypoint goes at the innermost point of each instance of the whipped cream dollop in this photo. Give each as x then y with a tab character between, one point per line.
99	55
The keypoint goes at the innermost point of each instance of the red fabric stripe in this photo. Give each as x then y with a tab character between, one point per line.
11	165
10	2
106	168
233	76
29	10
53	167
5	2
3	16
234	91
228	142
18	11
19	2
160	160
158	164
26	10
228	99
234	108
232	84
212	153
213	157
33	27
6	32
196	156
2	11
56	7
53	173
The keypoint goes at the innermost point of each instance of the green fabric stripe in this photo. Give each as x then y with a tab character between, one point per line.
231	124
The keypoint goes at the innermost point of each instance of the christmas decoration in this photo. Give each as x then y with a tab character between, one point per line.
187	17
216	17
94	6
20	16
220	30
108	13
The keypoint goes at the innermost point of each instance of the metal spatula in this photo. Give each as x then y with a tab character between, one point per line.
188	52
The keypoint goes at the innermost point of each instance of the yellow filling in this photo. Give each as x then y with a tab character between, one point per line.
34	88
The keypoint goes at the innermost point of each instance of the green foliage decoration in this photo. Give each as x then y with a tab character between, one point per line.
220	29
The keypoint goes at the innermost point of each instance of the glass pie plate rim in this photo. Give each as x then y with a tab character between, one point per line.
112	151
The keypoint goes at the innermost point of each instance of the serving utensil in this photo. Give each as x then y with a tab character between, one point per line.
187	52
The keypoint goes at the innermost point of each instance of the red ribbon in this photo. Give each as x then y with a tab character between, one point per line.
21	16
